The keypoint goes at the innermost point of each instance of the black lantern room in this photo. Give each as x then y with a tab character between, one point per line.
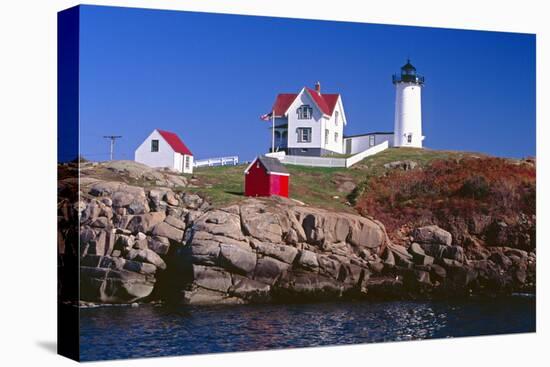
408	75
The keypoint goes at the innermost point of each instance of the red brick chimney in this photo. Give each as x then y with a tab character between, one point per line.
318	87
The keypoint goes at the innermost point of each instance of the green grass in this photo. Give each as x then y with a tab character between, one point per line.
316	186
222	185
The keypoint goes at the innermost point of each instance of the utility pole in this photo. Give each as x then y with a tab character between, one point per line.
113	138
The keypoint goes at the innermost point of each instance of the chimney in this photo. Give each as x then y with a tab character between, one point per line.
318	87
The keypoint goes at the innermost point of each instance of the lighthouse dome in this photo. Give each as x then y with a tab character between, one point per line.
408	75
408	68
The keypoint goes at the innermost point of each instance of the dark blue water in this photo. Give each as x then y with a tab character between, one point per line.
148	331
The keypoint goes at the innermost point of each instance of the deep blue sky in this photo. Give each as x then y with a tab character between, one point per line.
208	77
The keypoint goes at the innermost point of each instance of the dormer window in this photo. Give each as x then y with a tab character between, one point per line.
304	112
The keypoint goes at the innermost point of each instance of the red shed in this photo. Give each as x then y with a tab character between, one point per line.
266	176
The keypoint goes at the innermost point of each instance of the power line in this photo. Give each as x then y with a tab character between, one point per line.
113	138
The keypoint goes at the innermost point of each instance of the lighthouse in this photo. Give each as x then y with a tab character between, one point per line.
408	109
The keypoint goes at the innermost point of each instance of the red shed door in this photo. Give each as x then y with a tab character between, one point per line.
257	181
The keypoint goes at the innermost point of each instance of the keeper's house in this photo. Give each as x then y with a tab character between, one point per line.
309	123
266	176
165	149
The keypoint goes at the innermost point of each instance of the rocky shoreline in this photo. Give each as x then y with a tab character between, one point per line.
161	243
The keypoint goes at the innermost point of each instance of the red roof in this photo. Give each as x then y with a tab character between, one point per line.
283	102
175	142
325	102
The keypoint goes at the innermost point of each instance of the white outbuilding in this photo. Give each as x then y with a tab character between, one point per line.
165	149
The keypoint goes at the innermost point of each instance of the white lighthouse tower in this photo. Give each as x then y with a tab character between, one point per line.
408	109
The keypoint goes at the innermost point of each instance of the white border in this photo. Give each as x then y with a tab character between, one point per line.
28	187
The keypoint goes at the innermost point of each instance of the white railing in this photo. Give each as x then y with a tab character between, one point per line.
328	161
365	153
314	161
279	155
219	161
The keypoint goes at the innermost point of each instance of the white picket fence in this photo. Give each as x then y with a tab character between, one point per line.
328	161
313	161
219	161
365	153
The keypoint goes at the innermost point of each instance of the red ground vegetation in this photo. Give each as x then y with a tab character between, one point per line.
446	192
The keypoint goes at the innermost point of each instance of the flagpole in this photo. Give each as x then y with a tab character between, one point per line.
272	131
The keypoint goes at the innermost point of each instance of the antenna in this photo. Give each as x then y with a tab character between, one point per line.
113	138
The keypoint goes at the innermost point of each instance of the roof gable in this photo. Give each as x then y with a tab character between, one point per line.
175	142
283	102
271	165
325	102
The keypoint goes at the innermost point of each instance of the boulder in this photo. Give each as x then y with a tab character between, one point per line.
192	201
308	260
113	286
145	222
439	251
101	222
250	290
218	222
176	181
138	206
175	222
91	212
500	259
237	259
208	277
389	259
170	198
405	165
321	227
161	245
166	230
147	256
284	253
260	223
367	233
202	296
97	246
124	242
140	267
328	266
419	257
122	199
402	257
432	234
269	269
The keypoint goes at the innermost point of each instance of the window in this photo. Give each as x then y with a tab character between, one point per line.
304	112
336	118
336	137
409	138
326	136
154	145
372	140
187	162
304	134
